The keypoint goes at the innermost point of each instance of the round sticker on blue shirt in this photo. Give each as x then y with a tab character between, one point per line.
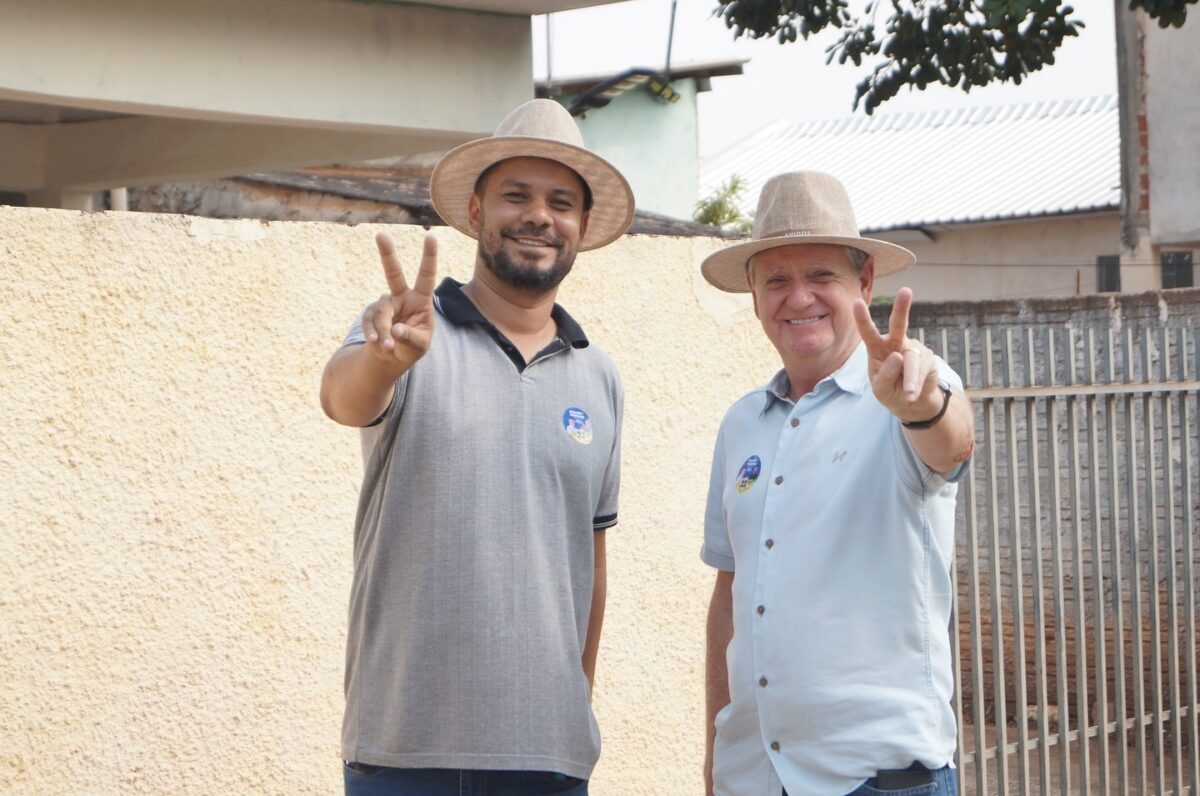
578	425
749	473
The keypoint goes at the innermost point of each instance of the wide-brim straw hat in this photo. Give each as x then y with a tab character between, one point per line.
801	207
540	128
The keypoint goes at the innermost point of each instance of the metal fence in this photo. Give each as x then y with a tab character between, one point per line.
1076	621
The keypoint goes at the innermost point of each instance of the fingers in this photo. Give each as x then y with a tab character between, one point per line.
890	370
920	371
391	264
401	332
913	377
898	324
380	329
866	326
427	274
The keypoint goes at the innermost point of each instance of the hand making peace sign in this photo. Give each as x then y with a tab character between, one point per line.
902	370
399	325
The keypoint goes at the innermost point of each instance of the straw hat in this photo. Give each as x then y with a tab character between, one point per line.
801	207
540	128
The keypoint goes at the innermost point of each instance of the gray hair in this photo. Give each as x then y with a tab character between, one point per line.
857	257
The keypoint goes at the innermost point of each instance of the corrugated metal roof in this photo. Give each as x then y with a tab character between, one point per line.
958	166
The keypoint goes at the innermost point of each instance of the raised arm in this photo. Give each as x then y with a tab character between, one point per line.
359	380
904	379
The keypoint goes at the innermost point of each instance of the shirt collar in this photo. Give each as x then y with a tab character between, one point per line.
851	377
457	308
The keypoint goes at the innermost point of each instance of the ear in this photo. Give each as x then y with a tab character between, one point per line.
583	223
866	281
474	213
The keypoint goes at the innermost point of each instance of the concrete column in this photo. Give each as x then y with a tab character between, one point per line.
65	198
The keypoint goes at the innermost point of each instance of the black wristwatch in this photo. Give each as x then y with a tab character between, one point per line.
918	425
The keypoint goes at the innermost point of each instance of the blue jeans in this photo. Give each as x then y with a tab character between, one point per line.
945	783
367	780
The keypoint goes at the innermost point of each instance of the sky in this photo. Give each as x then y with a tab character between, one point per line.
790	81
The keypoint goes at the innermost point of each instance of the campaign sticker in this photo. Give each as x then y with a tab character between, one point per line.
749	473
578	425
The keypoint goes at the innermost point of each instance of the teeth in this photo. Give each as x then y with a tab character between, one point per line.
804	321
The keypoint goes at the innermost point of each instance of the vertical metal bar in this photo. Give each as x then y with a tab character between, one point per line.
1114	542
1018	579
1077	553
1151	479
1135	570
999	699
980	697
1172	575
1062	697
1186	420
1037	585
1099	623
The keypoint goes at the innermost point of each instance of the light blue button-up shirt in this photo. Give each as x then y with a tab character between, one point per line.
842	543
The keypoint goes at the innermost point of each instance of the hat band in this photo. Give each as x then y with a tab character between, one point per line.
804	233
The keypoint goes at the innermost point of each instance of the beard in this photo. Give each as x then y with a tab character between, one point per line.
520	273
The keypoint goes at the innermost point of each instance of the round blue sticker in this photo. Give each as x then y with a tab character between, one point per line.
578	425
749	473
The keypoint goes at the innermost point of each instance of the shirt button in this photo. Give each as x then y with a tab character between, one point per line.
774	746
770	543
778	480
762	609
762	681
795	422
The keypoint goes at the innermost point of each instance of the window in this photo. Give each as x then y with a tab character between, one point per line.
1108	274
1177	269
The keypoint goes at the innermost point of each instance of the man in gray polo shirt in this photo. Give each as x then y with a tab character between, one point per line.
491	441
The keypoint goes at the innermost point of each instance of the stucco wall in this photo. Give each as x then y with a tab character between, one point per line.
993	261
175	510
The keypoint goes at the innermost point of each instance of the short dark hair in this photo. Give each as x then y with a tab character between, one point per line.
481	183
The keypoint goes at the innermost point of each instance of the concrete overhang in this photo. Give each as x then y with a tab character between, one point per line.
124	92
518	7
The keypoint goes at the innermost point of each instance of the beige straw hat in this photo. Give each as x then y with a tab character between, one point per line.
540	128
801	207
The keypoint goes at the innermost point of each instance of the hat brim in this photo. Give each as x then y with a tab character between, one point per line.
454	176
726	269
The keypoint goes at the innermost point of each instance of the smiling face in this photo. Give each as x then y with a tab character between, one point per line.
804	297
529	217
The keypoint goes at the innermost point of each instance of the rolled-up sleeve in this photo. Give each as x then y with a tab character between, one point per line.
717	551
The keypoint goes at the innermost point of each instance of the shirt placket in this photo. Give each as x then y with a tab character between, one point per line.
766	591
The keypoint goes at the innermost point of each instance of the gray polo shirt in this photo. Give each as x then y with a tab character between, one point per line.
473	552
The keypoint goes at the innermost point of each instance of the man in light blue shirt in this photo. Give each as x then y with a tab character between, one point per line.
830	520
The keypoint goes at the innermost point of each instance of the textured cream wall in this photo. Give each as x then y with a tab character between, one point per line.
175	510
